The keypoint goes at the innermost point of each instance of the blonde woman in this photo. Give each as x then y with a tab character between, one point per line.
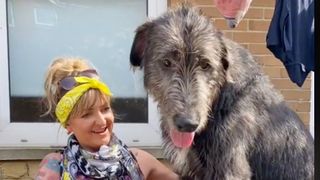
81	103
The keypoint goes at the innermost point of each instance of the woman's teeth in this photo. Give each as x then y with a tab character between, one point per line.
99	131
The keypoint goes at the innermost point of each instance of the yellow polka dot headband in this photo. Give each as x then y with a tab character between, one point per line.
76	87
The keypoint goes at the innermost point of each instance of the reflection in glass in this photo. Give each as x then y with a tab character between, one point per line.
101	31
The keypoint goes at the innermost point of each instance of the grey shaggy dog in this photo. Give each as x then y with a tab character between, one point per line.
220	116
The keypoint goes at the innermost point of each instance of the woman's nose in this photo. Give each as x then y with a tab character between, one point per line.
100	119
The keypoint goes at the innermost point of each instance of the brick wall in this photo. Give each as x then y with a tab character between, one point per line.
251	33
23	170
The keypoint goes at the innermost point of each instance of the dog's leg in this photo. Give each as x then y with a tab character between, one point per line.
236	165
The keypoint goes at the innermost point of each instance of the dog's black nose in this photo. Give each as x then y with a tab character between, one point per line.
184	123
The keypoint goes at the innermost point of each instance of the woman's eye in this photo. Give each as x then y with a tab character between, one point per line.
204	65
166	63
105	109
85	115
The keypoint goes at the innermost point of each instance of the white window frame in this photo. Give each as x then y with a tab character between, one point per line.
312	106
42	135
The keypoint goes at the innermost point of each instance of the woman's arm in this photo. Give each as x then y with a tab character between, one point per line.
151	168
49	167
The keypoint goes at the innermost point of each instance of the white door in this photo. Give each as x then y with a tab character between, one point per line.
34	32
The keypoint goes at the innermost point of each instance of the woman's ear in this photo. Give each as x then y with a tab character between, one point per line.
69	128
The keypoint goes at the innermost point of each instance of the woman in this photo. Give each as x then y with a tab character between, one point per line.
81	103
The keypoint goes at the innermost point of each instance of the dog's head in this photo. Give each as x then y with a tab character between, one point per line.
185	64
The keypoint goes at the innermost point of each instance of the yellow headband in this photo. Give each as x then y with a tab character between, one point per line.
67	102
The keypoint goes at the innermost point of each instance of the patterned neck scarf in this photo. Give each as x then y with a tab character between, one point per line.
112	162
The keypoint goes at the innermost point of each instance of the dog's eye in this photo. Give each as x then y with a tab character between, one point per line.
166	63
204	65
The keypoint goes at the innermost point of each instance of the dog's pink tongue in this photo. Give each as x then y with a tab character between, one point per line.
181	139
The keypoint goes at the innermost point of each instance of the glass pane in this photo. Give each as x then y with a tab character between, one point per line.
100	31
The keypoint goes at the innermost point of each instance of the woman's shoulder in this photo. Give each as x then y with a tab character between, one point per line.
49	167
51	160
54	155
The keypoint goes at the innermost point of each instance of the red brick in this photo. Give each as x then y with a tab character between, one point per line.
211	12
285	83
262	3
305	117
299	106
249	37
259	25
254	13
297	95
268	13
259	49
268	60
245	45
276	71
201	2
228	34
173	3
272	72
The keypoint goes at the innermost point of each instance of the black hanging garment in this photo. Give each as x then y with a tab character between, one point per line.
291	37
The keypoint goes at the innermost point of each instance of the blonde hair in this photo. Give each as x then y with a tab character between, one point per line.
58	70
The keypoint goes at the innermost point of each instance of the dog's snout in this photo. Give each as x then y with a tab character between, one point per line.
184	123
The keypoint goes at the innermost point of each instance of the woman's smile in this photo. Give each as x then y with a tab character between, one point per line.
100	131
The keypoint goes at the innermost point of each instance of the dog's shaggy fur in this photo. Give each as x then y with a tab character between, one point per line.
210	85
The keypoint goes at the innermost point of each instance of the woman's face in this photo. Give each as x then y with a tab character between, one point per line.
93	127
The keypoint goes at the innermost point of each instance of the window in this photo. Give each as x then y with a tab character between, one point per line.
33	33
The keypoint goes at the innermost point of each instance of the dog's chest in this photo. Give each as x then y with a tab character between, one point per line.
183	160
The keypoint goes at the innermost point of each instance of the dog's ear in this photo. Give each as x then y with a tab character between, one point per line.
224	50
224	55
139	44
